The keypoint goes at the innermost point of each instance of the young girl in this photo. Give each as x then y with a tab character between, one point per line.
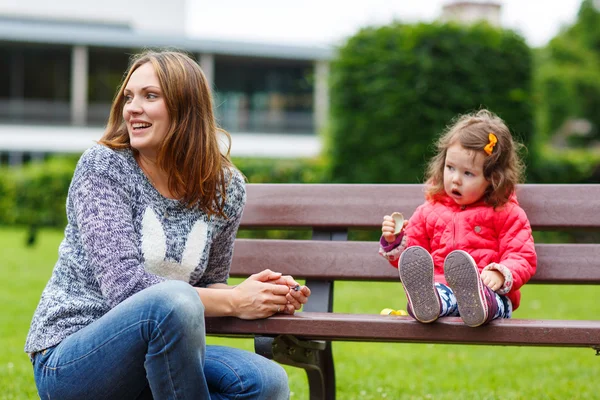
468	249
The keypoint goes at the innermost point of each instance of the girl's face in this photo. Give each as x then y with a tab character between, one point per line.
145	112
463	175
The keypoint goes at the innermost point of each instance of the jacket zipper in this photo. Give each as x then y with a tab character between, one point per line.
462	208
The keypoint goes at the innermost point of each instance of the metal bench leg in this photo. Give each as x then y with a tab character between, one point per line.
322	380
314	356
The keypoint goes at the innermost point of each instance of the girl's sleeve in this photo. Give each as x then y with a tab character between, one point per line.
415	234
102	211
517	249
221	250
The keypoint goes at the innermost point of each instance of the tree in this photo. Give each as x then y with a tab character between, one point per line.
396	87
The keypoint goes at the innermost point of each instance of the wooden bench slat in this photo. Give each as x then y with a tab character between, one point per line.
363	205
338	260
382	328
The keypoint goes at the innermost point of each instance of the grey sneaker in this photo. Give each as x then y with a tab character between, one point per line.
416	273
462	275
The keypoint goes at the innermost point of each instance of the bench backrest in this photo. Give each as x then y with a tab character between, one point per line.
331	209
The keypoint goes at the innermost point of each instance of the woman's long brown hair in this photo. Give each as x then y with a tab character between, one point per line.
198	171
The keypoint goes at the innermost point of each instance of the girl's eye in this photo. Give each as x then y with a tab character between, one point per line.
469	173
451	168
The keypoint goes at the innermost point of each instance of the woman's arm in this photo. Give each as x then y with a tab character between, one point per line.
101	209
262	294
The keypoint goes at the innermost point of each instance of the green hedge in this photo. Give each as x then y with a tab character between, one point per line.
266	170
568	87
8	193
35	195
395	88
565	166
41	192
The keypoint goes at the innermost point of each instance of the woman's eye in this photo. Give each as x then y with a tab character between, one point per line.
127	98
151	96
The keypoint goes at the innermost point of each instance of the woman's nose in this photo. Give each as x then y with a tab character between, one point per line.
133	107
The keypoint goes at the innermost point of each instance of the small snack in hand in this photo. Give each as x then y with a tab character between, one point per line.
399	221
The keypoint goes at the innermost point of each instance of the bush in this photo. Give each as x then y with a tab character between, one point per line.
568	87
35	195
567	84
8	190
395	88
262	170
565	166
40	194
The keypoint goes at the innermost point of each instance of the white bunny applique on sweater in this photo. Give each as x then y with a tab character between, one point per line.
154	248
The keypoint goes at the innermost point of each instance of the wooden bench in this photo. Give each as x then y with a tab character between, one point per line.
304	340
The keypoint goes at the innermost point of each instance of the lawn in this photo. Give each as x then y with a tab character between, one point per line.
364	370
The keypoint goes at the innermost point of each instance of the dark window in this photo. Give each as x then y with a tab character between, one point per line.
107	68
37	88
261	95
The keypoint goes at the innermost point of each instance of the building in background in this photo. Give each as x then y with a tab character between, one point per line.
472	11
62	62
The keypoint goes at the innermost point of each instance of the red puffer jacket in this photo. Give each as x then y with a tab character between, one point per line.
501	236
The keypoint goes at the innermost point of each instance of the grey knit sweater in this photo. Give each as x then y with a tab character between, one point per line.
123	236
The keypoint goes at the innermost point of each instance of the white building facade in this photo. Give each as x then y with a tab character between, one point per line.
62	62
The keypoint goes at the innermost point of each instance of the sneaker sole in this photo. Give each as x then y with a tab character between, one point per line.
463	278
416	273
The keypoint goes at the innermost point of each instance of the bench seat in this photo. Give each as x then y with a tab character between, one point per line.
385	328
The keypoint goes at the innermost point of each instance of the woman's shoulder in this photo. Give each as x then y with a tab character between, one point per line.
236	191
100	159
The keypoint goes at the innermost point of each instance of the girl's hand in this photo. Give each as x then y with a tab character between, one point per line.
493	279
297	296
260	296
388	227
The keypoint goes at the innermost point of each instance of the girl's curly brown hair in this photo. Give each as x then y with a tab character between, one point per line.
503	168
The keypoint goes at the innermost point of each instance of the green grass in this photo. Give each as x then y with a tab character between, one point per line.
364	370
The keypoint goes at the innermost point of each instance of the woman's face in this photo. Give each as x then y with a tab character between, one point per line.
145	112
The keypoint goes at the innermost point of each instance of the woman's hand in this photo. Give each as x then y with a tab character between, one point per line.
260	295
492	279
388	227
297	296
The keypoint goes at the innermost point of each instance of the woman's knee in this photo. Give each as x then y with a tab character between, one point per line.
275	382
234	372
176	300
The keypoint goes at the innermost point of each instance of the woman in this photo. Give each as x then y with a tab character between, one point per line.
153	211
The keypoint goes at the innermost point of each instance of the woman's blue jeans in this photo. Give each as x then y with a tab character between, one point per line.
152	345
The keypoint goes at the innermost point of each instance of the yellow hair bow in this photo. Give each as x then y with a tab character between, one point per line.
490	146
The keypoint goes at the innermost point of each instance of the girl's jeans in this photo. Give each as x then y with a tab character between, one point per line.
152	345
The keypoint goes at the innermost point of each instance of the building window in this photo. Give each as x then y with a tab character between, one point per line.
36	87
264	96
106	70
